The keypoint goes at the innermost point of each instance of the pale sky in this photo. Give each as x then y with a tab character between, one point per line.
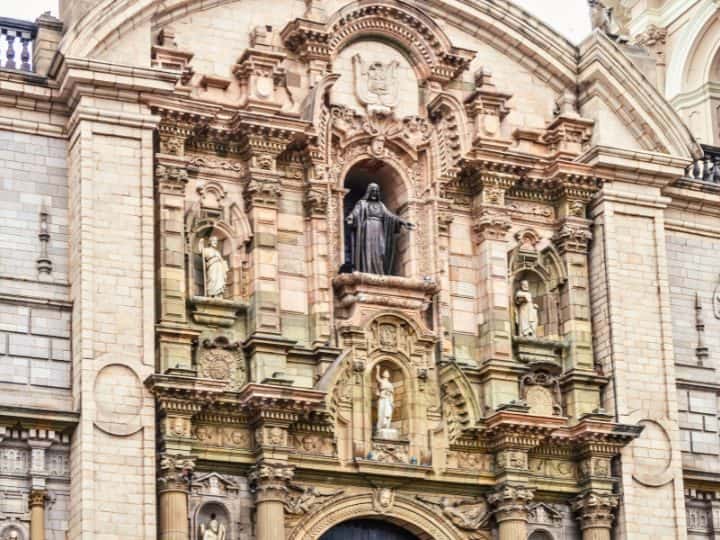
569	17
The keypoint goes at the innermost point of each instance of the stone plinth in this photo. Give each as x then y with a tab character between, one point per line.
538	351
382	292
215	311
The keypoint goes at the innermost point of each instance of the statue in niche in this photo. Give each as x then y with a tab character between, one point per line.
386	404
215	268
212	530
526	312
372	234
376	85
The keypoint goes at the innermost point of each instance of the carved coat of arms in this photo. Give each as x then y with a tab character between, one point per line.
376	84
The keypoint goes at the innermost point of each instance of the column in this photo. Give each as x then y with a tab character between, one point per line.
316	207
595	513
511	511
173	481
268	482
37	514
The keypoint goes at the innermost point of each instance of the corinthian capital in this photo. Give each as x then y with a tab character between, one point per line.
492	226
175	472
511	502
595	509
269	481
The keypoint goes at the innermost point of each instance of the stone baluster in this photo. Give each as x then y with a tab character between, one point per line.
37	514
511	511
595	512
268	482
174	479
10	53
25	54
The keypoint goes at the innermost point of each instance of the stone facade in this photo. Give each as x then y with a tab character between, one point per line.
186	351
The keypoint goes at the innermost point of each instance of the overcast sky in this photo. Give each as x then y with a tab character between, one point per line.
569	17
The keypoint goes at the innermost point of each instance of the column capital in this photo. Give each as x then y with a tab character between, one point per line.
595	509
573	236
38	497
171	179
491	226
269	481
175	472
511	502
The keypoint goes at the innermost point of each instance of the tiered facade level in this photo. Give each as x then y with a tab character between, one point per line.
188	350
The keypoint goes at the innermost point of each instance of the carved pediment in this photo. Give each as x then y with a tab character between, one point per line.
214	484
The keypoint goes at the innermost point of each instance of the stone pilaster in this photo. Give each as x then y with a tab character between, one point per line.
268	482
595	512
38	497
174	478
491	226
317	256
510	504
175	342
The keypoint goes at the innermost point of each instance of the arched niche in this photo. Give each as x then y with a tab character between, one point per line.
215	516
541	535
395	196
200	235
535	261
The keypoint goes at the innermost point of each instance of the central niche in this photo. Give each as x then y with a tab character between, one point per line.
393	195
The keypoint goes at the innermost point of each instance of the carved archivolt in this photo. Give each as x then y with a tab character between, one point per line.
403	511
459	404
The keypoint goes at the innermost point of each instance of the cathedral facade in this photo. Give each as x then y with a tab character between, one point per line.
320	270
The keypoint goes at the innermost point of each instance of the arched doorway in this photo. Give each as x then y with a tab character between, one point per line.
367	529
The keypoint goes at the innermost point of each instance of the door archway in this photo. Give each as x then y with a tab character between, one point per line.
367	529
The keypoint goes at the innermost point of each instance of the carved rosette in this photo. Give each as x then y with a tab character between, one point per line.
511	503
269	481
595	510
175	472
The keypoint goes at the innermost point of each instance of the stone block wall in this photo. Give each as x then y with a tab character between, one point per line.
694	275
35	314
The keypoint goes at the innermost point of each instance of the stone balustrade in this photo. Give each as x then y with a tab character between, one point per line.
707	168
16	44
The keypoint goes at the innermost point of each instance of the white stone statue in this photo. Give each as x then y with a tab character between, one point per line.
386	402
212	530
526	312
215	268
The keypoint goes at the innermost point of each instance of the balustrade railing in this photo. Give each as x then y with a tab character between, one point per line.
707	168
16	44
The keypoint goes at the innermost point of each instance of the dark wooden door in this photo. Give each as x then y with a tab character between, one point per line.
367	529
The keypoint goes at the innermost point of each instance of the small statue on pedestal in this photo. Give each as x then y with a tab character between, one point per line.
386	403
215	268
212	530
526	313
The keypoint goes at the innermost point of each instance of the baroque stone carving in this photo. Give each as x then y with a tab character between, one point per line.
389	452
595	509
541	391
222	360
383	499
465	514
304	499
376	84
510	502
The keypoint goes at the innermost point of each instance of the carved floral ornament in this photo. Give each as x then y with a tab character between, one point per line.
431	51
